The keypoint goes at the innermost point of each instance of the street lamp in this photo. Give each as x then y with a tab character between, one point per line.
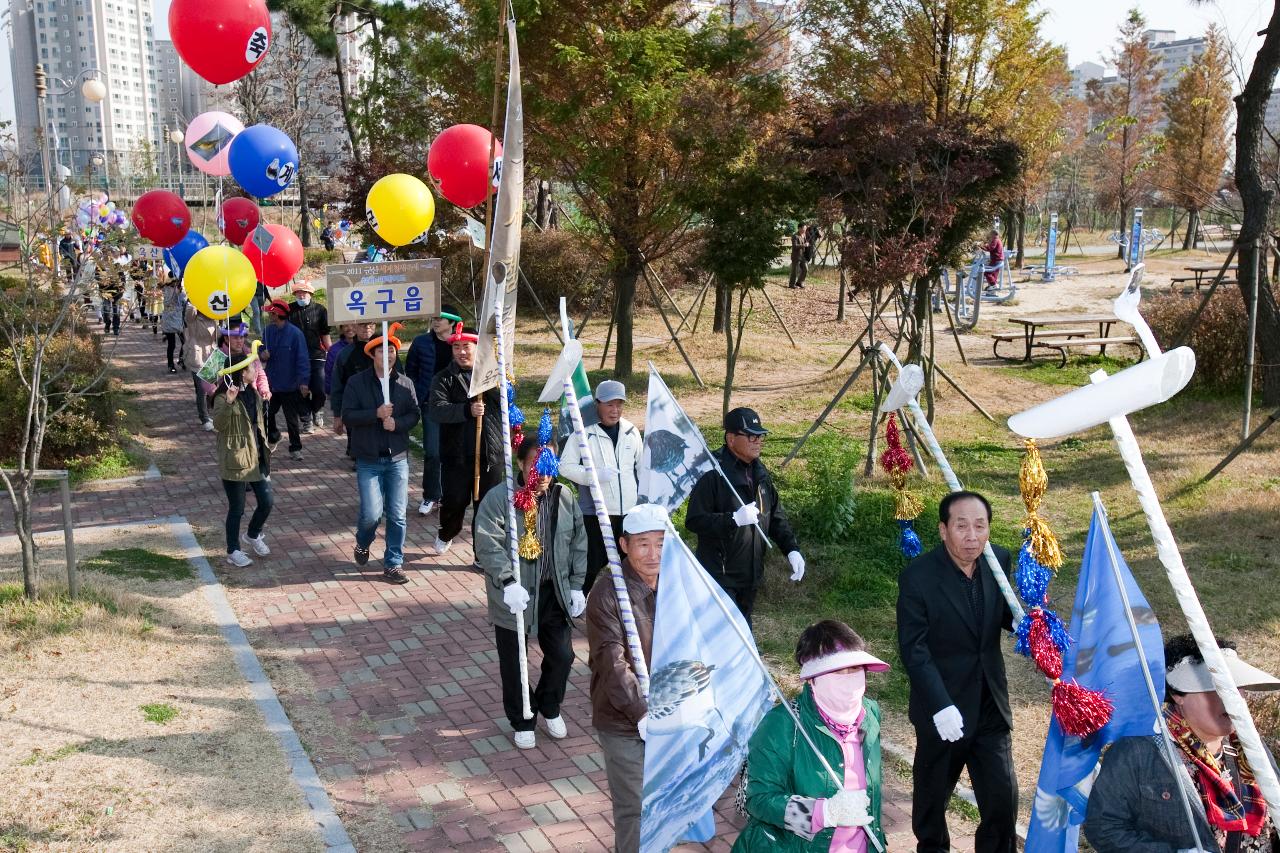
93	90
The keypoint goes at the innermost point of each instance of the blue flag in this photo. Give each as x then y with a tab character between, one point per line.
707	693
1102	656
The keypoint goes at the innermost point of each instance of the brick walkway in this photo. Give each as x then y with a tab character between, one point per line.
410	738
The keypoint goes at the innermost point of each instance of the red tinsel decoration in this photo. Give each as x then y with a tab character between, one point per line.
1043	651
517	437
1080	712
894	458
525	499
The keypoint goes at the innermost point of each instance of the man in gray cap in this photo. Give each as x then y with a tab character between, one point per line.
731	517
619	710
616	446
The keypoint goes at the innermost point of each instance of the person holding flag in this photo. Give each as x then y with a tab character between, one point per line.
734	507
1135	804
548	585
619	709
792	802
379	443
616	447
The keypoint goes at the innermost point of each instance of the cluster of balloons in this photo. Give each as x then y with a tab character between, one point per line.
221	40
161	217
261	158
99	213
400	207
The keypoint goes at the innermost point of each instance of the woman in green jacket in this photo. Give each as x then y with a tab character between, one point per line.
793	802
244	462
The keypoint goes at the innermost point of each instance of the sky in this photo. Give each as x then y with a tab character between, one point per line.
1087	27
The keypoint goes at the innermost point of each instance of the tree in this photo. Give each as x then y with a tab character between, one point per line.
1195	149
1125	114
1256	198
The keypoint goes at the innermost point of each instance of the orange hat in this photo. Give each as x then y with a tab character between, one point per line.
374	343
303	287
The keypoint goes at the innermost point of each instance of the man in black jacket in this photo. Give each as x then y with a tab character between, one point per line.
313	319
728	519
379	442
950	614
456	412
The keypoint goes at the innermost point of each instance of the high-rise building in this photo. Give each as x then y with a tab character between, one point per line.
774	19
1174	54
71	38
1082	74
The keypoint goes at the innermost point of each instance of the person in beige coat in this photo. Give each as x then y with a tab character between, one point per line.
200	336
244	463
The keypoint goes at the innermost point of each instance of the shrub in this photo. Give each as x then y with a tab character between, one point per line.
320	257
1218	338
819	495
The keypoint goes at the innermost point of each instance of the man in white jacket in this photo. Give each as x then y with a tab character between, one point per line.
615	445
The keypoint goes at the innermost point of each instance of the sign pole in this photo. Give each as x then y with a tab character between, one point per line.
386	369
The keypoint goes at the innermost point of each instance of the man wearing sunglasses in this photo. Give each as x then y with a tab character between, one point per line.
731	513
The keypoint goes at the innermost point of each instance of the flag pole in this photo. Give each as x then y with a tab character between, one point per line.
953	483
512	539
1165	739
717	597
715	463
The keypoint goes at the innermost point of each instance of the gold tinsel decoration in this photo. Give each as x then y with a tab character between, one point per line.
1034	482
906	506
529	547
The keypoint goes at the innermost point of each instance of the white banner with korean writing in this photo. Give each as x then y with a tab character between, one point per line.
394	290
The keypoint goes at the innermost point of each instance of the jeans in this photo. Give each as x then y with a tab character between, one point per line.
202	402
555	638
384	487
110	315
235	509
431	490
291	402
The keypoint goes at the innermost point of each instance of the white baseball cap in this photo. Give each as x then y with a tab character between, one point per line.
610	389
645	518
1192	676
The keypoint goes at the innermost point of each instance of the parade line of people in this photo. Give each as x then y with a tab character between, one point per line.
950	614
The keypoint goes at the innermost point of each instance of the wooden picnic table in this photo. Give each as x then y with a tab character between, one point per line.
1034	323
1199	271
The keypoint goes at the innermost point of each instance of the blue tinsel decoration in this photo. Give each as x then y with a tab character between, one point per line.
1057	631
545	428
514	413
909	541
548	465
1032	578
1022	636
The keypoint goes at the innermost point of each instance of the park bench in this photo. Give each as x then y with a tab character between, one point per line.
1071	343
1007	337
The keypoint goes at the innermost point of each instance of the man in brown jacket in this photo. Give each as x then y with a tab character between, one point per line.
618	708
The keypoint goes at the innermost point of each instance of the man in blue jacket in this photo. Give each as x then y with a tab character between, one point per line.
429	354
284	351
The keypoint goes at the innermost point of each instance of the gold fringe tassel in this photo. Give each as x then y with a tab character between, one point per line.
529	547
1034	482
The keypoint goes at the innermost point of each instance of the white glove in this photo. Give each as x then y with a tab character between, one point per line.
747	515
642	725
797	565
950	724
849	807
577	603
516	597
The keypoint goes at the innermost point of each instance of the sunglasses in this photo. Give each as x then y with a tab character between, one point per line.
749	437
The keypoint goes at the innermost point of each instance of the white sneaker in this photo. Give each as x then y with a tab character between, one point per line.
259	545
556	727
525	740
425	507
443	547
239	559
318	420
208	426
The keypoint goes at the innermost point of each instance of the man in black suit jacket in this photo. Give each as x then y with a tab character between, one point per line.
950	614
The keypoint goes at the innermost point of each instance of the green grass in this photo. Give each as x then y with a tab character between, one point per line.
1076	373
138	563
48	616
41	757
160	713
112	463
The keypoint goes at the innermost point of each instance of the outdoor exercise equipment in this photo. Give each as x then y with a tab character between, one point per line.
458	161
1109	400
237	219
208	141
399	208
161	217
219	281
275	253
221	40
263	160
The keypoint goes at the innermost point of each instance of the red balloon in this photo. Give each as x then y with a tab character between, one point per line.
237	219
459	161
161	217
222	40
282	259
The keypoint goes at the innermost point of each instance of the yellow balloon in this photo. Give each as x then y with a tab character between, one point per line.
219	281
399	208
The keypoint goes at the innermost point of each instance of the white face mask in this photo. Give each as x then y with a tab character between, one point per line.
304	299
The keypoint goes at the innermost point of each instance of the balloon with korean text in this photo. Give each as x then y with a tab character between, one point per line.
221	40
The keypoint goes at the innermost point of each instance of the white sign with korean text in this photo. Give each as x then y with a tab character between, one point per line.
393	290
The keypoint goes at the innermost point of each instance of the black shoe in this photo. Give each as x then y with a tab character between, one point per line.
173	369
394	574
362	555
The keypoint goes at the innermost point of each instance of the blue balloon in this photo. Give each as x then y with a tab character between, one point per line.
184	250
263	160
